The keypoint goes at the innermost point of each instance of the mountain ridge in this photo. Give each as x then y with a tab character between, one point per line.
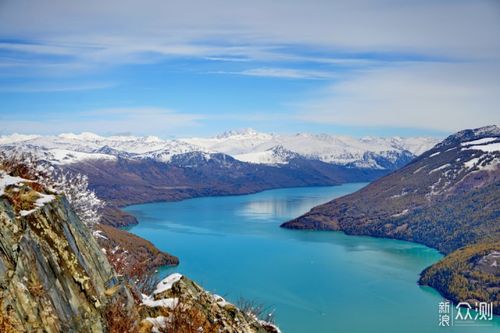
447	198
246	146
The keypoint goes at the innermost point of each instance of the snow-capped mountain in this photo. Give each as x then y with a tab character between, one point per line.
254	147
244	145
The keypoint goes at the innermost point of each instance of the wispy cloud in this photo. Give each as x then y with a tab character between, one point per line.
425	64
286	73
32	88
122	31
446	97
141	120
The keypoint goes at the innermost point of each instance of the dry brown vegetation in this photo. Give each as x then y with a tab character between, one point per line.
36	289
8	324
134	257
255	309
185	318
21	198
119	319
21	165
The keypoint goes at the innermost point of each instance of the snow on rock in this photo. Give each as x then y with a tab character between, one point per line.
245	145
419	169
435	154
489	148
268	324
170	303
251	146
471	163
440	168
98	234
479	141
13	138
220	300
166	283
6	180
158	323
63	156
402	213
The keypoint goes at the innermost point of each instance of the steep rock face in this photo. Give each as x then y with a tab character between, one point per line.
53	276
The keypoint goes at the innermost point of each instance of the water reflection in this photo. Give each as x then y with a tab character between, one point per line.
274	208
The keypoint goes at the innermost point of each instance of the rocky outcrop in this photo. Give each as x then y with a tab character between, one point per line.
53	276
177	298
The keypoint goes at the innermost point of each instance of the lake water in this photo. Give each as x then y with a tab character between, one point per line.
316	281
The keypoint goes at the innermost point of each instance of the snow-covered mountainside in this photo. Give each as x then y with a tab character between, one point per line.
246	146
251	146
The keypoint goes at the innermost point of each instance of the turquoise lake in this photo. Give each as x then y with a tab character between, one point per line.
317	282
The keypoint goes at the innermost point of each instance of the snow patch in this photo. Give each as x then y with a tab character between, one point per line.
479	141
166	283
6	180
158	323
98	234
170	303
440	168
221	301
63	156
435	154
419	169
471	163
404	212
489	148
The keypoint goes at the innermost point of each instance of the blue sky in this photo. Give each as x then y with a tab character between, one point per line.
172	69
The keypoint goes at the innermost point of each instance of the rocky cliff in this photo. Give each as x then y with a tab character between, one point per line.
54	277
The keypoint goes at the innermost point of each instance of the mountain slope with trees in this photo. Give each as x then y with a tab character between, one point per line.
447	198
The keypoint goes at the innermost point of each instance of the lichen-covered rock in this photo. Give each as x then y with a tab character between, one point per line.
179	302
53	276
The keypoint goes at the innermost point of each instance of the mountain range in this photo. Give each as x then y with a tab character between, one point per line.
244	145
447	198
126	170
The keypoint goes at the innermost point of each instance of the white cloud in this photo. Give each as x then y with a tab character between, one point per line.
285	73
439	96
32	88
143	121
102	31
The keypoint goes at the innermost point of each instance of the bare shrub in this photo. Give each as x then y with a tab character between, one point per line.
184	318
118	318
48	177
256	310
139	274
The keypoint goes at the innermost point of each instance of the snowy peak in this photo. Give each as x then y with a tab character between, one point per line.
251	146
246	145
240	133
463	161
471	135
